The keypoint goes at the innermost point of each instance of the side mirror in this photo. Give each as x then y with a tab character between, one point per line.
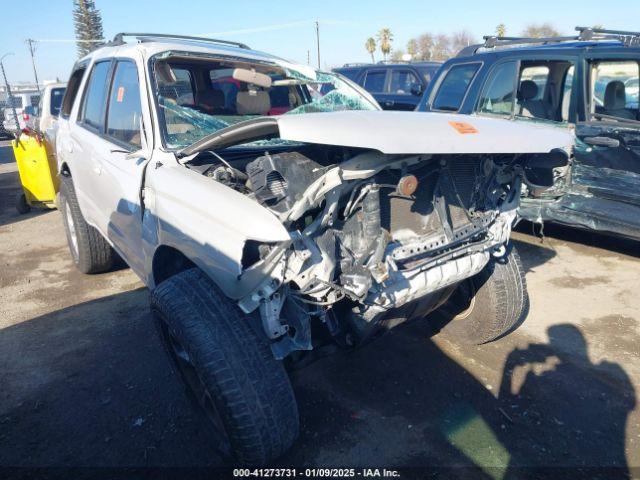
416	89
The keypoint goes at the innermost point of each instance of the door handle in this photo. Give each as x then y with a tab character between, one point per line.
602	141
389	103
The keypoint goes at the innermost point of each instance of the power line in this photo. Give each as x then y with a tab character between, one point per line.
67	40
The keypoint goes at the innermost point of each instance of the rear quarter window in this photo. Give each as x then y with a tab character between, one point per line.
72	91
454	86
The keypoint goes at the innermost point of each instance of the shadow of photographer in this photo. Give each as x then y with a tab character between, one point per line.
565	411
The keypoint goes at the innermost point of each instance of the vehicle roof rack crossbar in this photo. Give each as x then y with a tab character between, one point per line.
119	38
491	41
628	38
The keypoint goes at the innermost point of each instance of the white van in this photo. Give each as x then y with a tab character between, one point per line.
20	100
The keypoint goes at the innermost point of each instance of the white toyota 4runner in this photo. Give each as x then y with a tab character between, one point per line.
261	201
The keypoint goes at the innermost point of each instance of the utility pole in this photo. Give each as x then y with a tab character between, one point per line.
308	57
32	49
9	95
318	41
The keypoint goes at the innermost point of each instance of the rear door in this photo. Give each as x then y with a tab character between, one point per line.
607	167
81	143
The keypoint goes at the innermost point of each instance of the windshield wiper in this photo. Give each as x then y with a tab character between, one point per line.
603	116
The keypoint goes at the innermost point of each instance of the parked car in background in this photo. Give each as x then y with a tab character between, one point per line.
4	134
44	115
21	100
395	86
589	83
273	209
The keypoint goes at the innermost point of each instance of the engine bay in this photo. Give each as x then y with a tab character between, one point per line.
373	237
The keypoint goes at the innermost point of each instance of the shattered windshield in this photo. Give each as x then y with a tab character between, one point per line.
199	96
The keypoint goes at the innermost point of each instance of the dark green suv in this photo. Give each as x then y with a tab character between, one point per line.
588	82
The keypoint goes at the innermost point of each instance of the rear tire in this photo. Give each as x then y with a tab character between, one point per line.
21	204
488	305
228	368
91	253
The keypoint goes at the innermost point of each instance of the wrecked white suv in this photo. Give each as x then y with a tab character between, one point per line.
271	208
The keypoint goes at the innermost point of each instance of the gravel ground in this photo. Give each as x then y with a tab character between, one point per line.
85	383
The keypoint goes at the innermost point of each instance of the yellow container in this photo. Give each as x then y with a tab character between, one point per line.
38	172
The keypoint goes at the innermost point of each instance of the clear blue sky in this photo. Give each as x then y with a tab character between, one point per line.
285	27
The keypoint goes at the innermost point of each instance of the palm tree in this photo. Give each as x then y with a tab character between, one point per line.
385	37
370	45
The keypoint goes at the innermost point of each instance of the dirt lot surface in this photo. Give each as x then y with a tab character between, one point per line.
84	381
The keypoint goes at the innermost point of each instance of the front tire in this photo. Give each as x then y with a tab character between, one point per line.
228	368
488	305
91	253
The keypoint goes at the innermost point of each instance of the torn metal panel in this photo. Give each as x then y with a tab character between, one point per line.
601	189
584	212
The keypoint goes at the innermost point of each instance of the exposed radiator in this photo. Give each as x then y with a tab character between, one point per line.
417	214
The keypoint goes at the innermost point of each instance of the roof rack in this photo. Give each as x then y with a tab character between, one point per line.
355	64
119	38
627	38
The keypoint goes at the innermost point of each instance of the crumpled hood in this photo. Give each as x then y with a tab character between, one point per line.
396	133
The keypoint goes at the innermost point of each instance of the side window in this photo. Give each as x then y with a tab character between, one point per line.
374	81
95	97
56	101
402	81
498	93
614	88
427	73
124	113
454	87
72	91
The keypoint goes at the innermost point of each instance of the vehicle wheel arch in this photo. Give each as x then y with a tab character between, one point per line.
167	262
